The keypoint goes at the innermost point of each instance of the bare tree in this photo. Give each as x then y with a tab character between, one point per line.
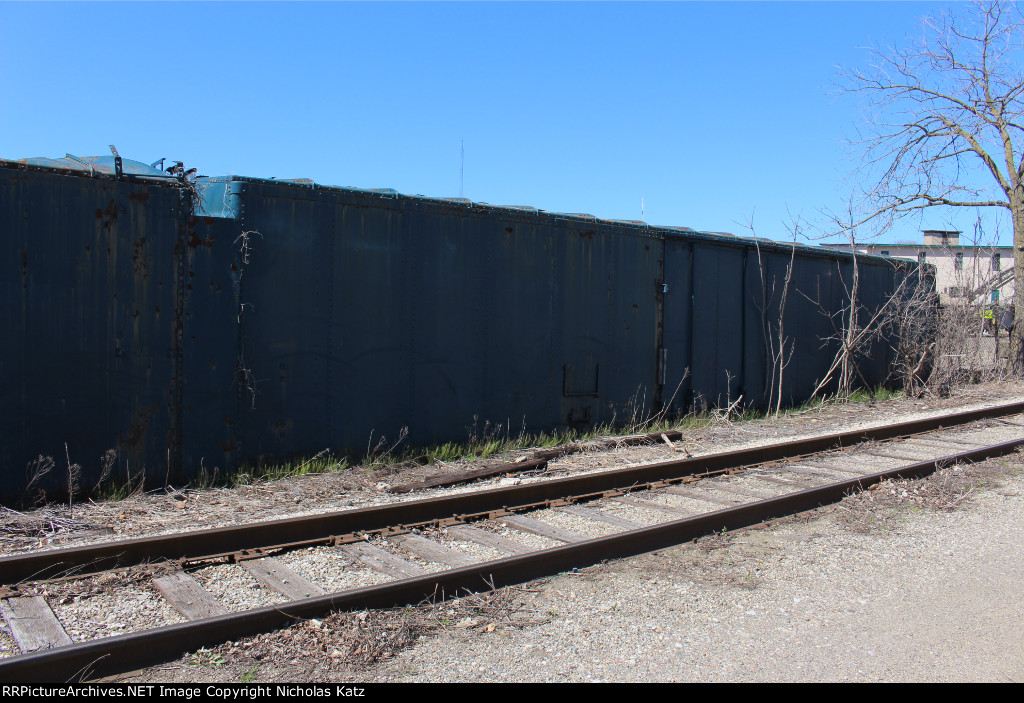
946	116
853	331
854	327
910	328
779	347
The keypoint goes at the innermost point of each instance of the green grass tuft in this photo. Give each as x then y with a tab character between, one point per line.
489	441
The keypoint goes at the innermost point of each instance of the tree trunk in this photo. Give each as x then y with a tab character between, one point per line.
1016	353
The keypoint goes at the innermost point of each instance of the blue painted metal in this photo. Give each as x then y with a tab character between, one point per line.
277	317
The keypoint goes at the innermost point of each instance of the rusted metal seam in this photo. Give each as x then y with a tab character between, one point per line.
175	452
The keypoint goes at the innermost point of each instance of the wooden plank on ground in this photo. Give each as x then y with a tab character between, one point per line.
832	467
489	539
529	524
803	470
787	482
895	456
697	495
539	460
651	505
944	443
850	470
950	440
382	561
277	576
760	495
1009	422
187	596
601	516
463	476
33	624
432	551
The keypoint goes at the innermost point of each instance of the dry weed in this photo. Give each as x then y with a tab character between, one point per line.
35	528
69	588
362	639
950	488
718	540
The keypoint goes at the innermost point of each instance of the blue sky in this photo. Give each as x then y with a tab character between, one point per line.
707	113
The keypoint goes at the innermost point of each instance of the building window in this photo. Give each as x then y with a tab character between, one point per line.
995	296
955	292
885	252
958	261
995	262
921	259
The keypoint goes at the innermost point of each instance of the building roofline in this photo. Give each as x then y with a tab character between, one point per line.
925	246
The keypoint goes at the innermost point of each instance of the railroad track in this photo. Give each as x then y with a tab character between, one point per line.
222	584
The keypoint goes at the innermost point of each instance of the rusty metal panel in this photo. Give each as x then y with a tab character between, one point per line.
815	317
722	314
678	331
365	313
716	363
878	284
604	293
91	352
814	289
317	339
447	307
210	262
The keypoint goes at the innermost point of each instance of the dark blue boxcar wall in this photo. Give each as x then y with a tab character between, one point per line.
366	312
101	278
237	320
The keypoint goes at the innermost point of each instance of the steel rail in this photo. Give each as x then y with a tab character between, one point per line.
118	654
256	539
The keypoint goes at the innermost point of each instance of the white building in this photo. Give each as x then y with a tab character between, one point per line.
977	275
